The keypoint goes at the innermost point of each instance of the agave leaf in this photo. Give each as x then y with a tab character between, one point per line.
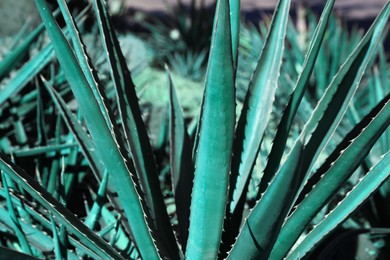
182	169
379	93
12	59
84	61
88	149
29	70
135	133
285	124
109	149
63	215
15	220
235	27
335	171
332	106
216	129
261	228
26	73
94	215
55	166
42	137
258	103
7	253
57	243
84	141
39	150
356	197
122	242
35	236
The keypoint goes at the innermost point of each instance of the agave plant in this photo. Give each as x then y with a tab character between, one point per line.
210	177
181	38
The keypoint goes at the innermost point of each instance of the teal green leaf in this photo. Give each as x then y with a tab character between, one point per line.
39	150
109	149
87	147
209	195
83	140
258	103
261	228
15	220
182	168
134	130
95	212
290	111
84	61
29	70
13	57
35	236
7	253
57	244
339	166
235	27
356	197
332	106
65	217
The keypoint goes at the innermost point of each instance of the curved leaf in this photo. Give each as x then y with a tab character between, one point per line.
356	197
261	228
136	136
285	124
336	170
109	149
63	215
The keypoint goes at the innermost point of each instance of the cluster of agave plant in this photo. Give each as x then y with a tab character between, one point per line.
104	132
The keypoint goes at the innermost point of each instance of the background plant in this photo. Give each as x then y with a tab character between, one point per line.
80	138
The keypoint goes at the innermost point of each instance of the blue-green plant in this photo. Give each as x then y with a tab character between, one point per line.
210	176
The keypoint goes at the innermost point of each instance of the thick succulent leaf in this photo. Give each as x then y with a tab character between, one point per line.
39	150
109	149
56	240
340	165
14	219
235	6
109	219
64	216
213	156
332	106
379	93
258	103
42	137
135	133
7	253
35	236
84	61
182	168
26	73
88	149
94	214
290	111
356	197
13	57
261	228
29	70
84	141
